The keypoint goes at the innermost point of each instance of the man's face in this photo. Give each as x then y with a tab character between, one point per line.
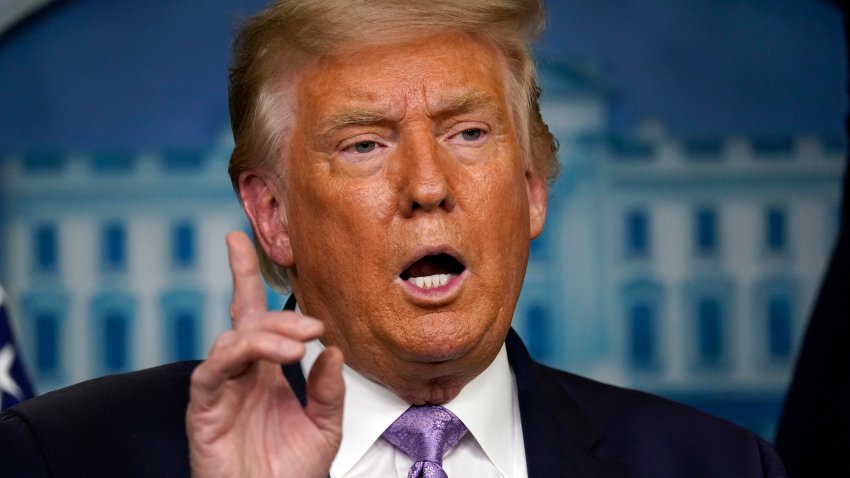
409	210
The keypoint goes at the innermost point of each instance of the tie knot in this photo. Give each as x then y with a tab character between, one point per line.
425	432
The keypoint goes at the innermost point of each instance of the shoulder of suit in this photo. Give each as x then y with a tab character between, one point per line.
595	395
128	425
620	408
145	392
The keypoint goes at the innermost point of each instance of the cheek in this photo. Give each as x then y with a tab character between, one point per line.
338	222
504	222
501	200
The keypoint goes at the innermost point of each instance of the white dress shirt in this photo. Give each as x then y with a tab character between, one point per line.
487	405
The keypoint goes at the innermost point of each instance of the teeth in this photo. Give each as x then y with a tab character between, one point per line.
429	282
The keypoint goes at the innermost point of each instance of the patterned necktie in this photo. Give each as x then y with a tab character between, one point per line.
425	433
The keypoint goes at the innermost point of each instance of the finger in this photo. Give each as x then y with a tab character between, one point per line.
233	353
287	324
249	292
326	392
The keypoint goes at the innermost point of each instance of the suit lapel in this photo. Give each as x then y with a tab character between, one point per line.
560	438
293	373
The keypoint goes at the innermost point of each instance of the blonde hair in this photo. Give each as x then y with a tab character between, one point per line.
273	46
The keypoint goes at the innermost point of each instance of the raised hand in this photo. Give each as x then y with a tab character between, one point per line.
243	418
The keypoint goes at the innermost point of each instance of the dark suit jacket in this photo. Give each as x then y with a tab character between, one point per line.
813	437
132	425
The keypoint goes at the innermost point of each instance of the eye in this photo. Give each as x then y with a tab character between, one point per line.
471	134
364	147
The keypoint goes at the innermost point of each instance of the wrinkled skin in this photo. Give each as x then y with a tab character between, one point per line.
243	418
396	152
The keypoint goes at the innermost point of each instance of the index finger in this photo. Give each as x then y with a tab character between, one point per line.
249	291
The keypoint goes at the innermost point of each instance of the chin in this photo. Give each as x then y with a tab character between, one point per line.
440	338
433	351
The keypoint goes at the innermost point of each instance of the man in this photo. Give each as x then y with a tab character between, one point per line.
393	164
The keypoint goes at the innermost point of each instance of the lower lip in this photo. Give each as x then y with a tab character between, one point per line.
435	295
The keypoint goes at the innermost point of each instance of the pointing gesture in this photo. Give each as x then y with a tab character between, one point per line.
243	417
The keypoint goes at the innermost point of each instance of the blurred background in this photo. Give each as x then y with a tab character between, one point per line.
702	148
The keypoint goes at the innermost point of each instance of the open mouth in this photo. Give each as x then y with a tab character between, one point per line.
431	271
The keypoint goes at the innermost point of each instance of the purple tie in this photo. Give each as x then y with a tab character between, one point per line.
425	433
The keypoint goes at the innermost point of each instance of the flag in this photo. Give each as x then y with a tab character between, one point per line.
14	384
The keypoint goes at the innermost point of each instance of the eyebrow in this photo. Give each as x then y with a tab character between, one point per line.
445	107
353	117
467	102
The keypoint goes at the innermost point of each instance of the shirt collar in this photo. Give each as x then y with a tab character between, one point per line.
486	407
370	408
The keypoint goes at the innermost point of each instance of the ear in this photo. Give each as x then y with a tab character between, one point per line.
261	200
538	191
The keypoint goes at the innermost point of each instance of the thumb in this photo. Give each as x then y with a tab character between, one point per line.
325	393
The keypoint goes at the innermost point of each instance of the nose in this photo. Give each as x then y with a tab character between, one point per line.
422	176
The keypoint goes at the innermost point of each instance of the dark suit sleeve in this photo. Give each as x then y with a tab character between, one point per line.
20	453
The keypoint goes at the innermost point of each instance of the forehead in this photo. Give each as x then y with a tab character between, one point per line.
427	75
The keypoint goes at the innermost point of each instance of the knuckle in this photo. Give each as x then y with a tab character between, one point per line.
225	340
200	375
